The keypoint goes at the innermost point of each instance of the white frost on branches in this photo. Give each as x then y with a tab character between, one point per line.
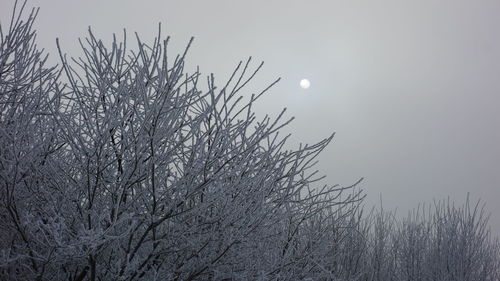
118	165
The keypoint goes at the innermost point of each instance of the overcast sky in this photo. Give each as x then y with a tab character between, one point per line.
411	88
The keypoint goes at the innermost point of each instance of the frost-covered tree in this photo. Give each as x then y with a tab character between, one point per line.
460	245
442	242
125	168
28	139
120	165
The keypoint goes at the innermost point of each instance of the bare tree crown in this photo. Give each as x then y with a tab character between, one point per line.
119	165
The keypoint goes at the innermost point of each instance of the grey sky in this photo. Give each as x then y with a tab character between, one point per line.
412	88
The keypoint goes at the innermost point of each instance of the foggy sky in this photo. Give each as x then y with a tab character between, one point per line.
411	88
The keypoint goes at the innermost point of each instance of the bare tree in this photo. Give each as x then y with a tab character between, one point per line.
28	138
461	246
441	242
142	174
119	165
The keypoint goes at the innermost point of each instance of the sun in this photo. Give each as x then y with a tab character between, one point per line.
305	84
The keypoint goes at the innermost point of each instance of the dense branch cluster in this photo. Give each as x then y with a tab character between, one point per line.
120	166
439	242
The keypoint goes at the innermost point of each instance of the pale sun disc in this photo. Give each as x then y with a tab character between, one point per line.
305	84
